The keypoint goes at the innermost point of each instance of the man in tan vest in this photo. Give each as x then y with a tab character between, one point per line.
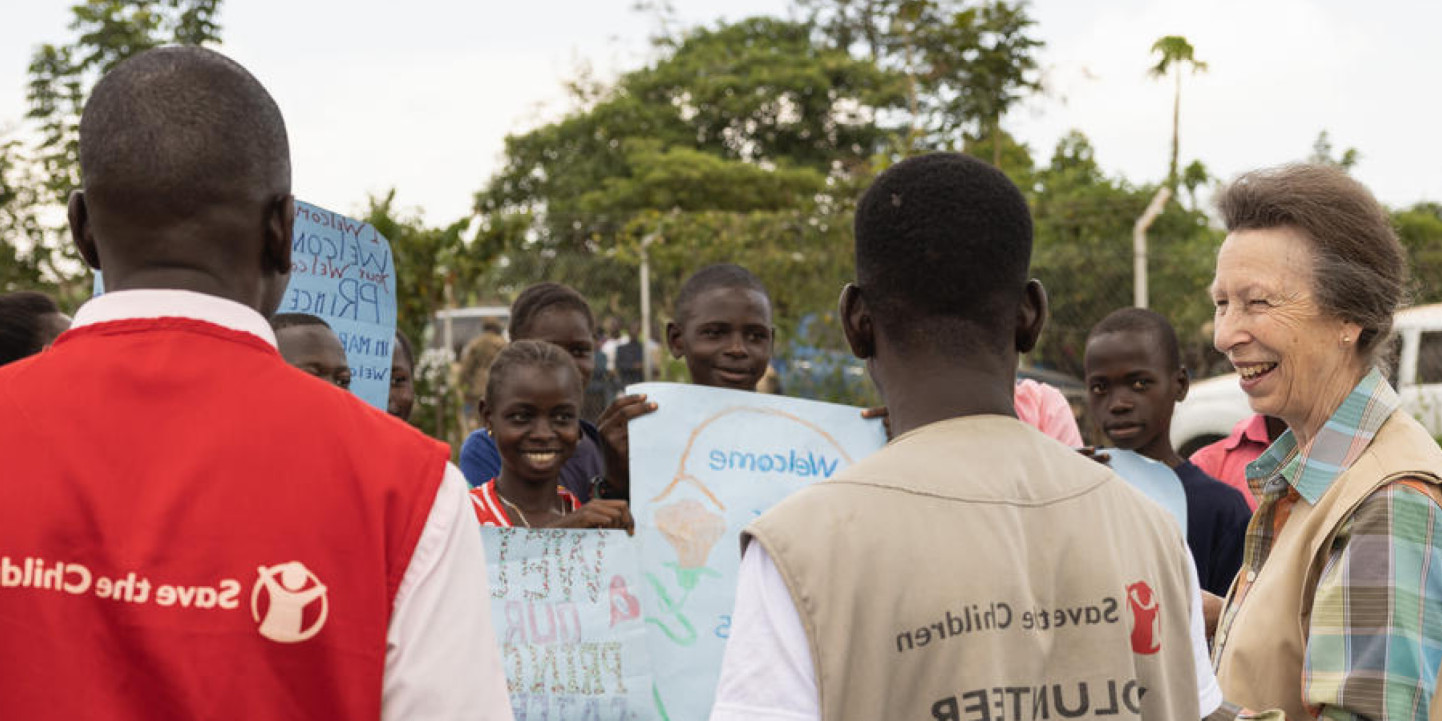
974	568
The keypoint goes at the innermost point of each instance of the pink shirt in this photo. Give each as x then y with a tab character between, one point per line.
1044	407
1227	459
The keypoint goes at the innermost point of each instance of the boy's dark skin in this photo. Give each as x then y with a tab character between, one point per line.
1132	392
317	350
726	337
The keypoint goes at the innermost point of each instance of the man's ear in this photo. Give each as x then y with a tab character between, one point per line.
673	339
1184	383
79	215
1030	316
279	224
481	412
856	322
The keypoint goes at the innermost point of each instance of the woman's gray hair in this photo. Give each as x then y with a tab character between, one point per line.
1359	268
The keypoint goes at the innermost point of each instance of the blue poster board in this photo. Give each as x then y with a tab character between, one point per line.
1154	479
569	623
704	465
341	271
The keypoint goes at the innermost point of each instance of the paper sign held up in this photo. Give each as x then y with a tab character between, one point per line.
704	465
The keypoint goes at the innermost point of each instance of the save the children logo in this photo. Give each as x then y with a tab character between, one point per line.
288	602
1146	619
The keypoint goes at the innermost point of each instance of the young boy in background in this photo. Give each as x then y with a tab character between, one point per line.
1134	379
29	323
308	343
722	327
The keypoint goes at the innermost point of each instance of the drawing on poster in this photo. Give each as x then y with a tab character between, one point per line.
692	530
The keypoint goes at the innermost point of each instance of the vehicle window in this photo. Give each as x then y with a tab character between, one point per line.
1429	358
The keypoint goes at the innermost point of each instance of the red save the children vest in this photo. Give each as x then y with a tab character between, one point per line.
190	528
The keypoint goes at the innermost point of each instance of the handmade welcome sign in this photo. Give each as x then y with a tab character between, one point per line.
705	464
570	624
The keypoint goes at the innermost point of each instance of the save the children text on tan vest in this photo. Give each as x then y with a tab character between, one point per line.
976	569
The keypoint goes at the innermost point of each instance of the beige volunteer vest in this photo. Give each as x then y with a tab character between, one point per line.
976	569
1259	654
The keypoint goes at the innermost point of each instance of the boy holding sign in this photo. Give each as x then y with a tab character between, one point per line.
723	327
1065	586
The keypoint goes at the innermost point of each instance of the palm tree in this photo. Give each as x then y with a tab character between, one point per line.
1175	52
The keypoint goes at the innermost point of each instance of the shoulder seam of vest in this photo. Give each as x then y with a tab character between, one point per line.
959	499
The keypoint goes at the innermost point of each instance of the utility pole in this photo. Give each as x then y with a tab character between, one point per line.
646	365
1139	245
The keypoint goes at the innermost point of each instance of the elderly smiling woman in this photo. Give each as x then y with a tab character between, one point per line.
1337	610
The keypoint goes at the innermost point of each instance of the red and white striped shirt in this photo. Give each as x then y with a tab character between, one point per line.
490	510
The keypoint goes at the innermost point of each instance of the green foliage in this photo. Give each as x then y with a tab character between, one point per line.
1175	55
19	224
434	268
1322	154
1175	52
35	181
965	64
1420	230
1083	255
1194	176
106	33
428	261
742	143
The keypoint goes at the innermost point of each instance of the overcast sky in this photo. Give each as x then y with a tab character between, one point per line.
419	95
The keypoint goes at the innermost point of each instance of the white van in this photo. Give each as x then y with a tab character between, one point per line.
455	327
1215	405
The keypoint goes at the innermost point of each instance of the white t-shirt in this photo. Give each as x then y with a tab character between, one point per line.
768	674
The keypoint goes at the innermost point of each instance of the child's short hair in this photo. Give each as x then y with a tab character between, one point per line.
1145	322
942	237
719	275
529	353
545	296
281	321
20	323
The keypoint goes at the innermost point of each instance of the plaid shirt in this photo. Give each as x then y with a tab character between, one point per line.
1375	638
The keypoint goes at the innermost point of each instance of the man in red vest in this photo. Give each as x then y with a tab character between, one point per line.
189	527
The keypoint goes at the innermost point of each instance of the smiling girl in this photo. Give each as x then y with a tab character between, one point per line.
531	410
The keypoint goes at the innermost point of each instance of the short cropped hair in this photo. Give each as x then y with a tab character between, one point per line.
21	327
281	321
942	238
175	129
542	297
719	275
530	354
1151	325
1359	268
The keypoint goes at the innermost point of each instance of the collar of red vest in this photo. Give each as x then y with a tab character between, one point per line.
157	303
